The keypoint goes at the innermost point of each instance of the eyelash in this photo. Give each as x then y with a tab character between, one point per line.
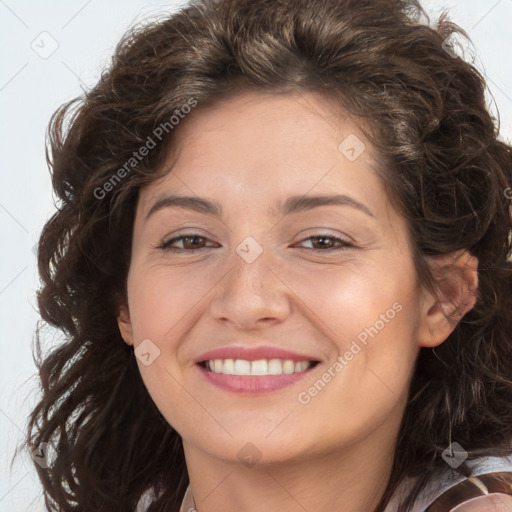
165	246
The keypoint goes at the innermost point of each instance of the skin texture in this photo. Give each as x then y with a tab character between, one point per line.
248	153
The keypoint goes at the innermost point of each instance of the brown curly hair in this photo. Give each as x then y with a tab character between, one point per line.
442	162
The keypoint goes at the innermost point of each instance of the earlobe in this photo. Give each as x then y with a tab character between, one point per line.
125	325
456	275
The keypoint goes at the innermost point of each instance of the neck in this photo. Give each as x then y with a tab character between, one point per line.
350	479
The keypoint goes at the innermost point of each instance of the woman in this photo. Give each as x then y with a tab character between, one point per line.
281	262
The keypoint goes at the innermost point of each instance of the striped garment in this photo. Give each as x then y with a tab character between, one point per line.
489	489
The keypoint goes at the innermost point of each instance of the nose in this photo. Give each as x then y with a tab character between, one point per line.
252	295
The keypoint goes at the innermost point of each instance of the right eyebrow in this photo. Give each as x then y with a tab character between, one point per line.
195	204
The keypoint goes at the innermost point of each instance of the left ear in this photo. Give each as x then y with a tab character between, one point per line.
457	277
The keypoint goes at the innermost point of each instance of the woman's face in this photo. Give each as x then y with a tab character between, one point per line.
269	272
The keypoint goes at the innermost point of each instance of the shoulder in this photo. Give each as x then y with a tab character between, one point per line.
485	492
491	477
494	502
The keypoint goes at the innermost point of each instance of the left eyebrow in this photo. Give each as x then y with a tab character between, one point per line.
294	204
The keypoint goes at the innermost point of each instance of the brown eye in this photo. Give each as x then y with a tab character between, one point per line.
190	242
326	243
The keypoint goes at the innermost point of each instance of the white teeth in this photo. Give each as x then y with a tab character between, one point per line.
300	367
228	366
288	366
242	367
259	367
275	367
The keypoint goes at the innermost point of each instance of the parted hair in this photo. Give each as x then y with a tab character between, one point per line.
440	156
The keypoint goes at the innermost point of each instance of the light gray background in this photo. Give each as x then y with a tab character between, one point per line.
31	88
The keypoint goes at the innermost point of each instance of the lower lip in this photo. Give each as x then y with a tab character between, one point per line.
253	384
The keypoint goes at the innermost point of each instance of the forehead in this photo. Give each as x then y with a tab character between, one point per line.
262	147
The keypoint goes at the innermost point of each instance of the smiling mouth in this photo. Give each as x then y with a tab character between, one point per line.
260	367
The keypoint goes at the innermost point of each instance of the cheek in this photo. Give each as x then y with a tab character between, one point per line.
370	317
164	306
362	389
160	302
161	298
353	301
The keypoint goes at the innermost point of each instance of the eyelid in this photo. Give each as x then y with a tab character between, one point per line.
343	243
165	243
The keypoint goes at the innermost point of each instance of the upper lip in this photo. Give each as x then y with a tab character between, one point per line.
253	354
